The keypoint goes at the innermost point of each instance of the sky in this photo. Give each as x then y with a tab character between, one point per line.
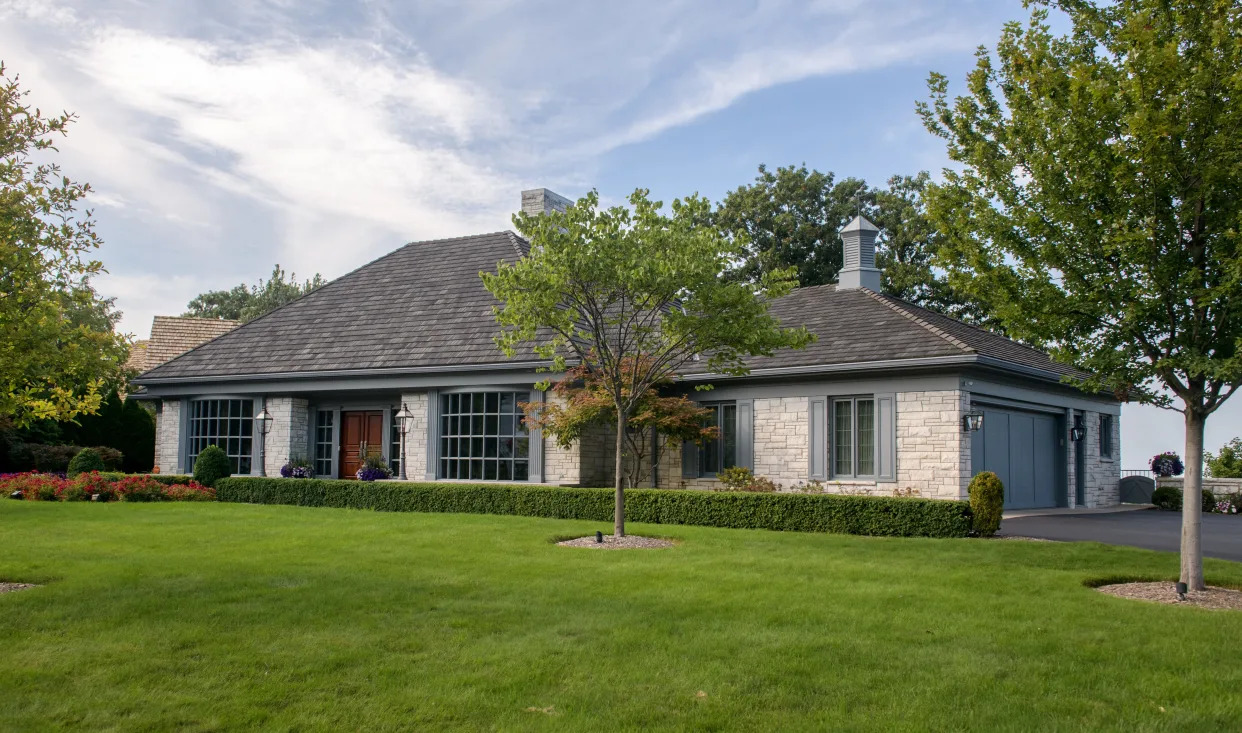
221	138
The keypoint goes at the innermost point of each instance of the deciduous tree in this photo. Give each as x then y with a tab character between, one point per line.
248	302
632	296
1098	207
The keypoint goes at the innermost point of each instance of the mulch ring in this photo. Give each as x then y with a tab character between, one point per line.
9	587
611	542
1166	592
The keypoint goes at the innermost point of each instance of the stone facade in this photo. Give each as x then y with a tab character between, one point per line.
289	433
1103	473
782	439
415	458
933	453
168	437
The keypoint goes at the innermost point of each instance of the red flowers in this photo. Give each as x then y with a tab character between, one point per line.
95	486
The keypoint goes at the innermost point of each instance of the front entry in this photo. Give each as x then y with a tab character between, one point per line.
1022	449
362	432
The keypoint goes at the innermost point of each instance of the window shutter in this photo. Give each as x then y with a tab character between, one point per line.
818	453
746	433
689	460
886	437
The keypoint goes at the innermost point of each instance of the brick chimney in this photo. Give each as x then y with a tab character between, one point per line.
858	242
540	201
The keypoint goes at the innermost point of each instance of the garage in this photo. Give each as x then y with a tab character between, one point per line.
1023	449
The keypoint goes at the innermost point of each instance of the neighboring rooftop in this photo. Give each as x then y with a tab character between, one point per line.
172	336
424	306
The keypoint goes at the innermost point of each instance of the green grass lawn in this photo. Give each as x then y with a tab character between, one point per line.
225	617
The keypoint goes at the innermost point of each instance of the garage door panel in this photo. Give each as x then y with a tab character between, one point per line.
1020	491
1020	448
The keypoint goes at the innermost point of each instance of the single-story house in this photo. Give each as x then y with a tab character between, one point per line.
891	398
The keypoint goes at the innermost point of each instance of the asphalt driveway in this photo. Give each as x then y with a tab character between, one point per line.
1153	529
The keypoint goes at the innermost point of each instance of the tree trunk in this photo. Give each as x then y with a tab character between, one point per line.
618	521
1192	503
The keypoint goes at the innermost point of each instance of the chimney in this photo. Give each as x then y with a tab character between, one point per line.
858	243
538	201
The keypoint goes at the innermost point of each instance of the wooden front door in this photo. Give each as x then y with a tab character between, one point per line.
360	430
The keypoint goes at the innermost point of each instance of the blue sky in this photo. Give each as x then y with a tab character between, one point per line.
222	138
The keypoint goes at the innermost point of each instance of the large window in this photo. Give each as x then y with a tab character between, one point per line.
226	423
394	447
482	437
721	452
323	443
853	437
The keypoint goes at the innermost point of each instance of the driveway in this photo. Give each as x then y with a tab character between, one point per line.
1153	530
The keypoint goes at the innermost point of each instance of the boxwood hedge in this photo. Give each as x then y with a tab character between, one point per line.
863	515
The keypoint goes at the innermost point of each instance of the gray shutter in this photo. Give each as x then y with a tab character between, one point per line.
818	453
535	459
183	438
886	437
431	470
689	460
746	433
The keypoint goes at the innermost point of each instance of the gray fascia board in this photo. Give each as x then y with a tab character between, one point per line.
857	366
329	374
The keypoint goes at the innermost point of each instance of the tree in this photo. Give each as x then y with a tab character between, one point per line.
1099	202
656	423
632	297
58	347
246	303
1227	463
793	217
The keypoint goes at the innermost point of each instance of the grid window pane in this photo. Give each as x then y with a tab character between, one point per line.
721	452
394	449
843	434
866	437
482	436
323	443
226	423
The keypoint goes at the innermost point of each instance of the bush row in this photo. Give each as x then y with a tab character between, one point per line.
96	486
862	515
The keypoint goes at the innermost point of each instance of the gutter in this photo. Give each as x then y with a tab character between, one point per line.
328	374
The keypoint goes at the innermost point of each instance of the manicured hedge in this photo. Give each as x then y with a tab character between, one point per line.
897	517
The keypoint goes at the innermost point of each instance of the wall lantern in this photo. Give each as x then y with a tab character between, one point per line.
404	419
972	421
1078	432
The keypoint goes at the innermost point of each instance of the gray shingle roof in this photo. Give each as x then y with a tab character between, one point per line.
423	306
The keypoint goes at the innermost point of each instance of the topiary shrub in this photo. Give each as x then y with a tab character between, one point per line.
87	460
1166	497
987	503
211	466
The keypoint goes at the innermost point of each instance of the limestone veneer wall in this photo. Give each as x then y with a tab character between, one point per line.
1103	475
933	452
415	457
168	437
289	433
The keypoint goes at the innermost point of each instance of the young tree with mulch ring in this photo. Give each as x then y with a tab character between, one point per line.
632	296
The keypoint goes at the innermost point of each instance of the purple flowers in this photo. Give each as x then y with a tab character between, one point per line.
373	473
298	468
1167	464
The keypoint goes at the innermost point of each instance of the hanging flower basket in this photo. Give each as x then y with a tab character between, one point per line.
1167	464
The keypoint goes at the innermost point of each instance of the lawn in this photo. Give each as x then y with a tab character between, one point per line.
225	617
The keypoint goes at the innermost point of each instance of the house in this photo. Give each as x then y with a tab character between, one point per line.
891	399
172	336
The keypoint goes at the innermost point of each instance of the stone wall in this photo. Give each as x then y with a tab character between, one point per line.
415	458
289	435
1103	475
933	452
168	437
782	439
1218	486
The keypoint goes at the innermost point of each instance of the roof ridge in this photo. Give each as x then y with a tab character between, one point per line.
932	328
514	240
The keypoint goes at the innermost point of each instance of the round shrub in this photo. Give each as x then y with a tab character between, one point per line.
1209	502
87	460
1166	497
987	503
211	466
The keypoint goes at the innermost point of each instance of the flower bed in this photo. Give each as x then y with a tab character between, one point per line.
96	486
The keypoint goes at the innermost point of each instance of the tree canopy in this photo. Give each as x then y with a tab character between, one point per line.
248	302
59	351
1097	210
631	295
1227	463
792	218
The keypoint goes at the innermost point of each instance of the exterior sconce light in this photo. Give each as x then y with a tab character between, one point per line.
1077	433
263	421
972	421
404	419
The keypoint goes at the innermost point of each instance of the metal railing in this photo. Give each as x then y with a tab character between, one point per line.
1138	472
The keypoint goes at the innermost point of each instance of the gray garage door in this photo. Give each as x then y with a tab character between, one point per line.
1021	448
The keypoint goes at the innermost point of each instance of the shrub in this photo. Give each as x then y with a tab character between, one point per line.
740	478
140	489
104	487
112	458
987	503
87	460
94	483
776	511
1168	497
191	491
211	466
